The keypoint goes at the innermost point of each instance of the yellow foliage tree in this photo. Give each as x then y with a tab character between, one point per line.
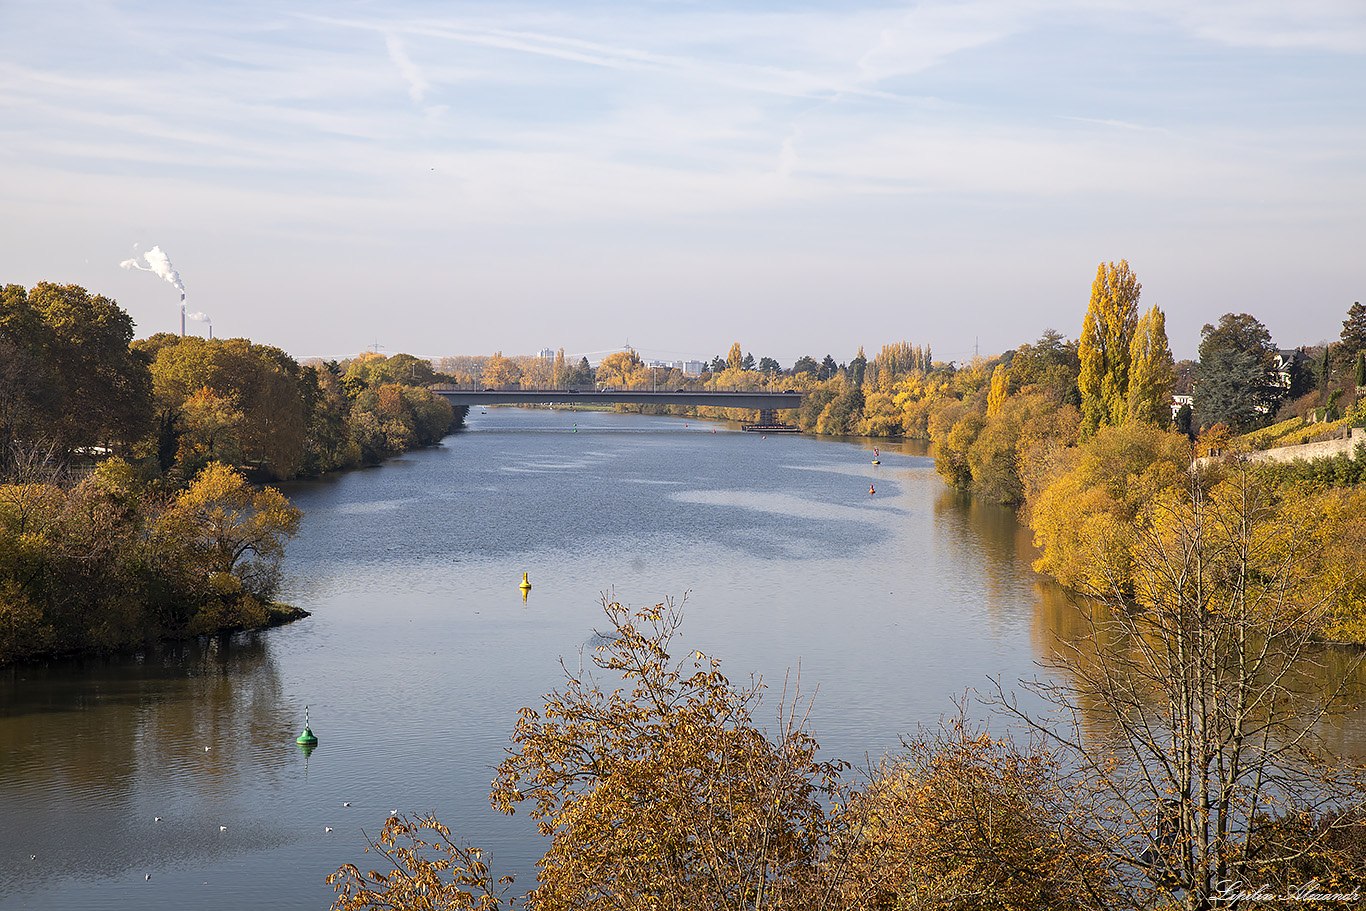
666	794
1190	725
1000	389
1082	517
230	529
500	371
961	820
735	358
1104	347
1151	371
622	368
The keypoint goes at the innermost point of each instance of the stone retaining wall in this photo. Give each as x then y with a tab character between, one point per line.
1326	449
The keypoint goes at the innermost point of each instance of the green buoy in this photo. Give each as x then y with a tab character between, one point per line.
307	738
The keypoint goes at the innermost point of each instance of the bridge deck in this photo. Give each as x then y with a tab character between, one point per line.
765	401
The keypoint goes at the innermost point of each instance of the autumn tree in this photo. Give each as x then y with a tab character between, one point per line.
231	530
1051	365
1082	516
664	792
735	358
262	382
958	820
501	371
1000	389
621	368
559	370
68	372
210	431
1105	345
1151	371
1182	706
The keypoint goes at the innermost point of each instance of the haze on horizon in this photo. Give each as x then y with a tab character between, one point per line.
803	178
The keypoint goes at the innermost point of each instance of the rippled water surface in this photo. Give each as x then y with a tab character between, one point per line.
421	648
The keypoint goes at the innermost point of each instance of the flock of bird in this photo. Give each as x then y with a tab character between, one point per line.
345	803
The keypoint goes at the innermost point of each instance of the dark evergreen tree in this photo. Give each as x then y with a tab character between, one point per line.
1238	382
1354	332
1183	419
1231	388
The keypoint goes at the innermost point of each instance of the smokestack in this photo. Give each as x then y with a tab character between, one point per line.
198	318
159	264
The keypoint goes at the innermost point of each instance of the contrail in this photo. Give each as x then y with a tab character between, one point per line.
159	263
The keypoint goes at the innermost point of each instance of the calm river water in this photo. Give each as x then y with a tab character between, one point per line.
180	764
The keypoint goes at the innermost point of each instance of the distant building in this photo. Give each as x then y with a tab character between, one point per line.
1288	361
1179	400
546	353
688	368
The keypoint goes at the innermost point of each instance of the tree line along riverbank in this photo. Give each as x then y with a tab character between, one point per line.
1079	435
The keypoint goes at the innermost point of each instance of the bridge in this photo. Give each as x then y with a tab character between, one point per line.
766	403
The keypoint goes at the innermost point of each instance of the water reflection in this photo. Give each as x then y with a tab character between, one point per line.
178	731
1082	632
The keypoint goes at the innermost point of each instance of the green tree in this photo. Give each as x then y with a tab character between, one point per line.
1151	371
327	439
25	394
858	367
98	387
1105	346
1236	382
1050	364
1353	338
769	366
806	364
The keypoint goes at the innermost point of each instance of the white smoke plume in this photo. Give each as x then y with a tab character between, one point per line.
159	264
199	317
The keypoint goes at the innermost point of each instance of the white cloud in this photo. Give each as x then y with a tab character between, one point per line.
417	86
744	144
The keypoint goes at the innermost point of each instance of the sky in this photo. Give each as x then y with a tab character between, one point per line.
447	178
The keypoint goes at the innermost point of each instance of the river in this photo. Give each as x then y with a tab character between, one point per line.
170	779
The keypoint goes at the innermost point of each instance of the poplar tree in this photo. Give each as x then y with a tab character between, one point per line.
1151	370
1104	348
1000	389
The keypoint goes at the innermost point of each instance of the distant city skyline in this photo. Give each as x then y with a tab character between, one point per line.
802	178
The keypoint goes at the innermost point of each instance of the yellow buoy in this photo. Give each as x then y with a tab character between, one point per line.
526	583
